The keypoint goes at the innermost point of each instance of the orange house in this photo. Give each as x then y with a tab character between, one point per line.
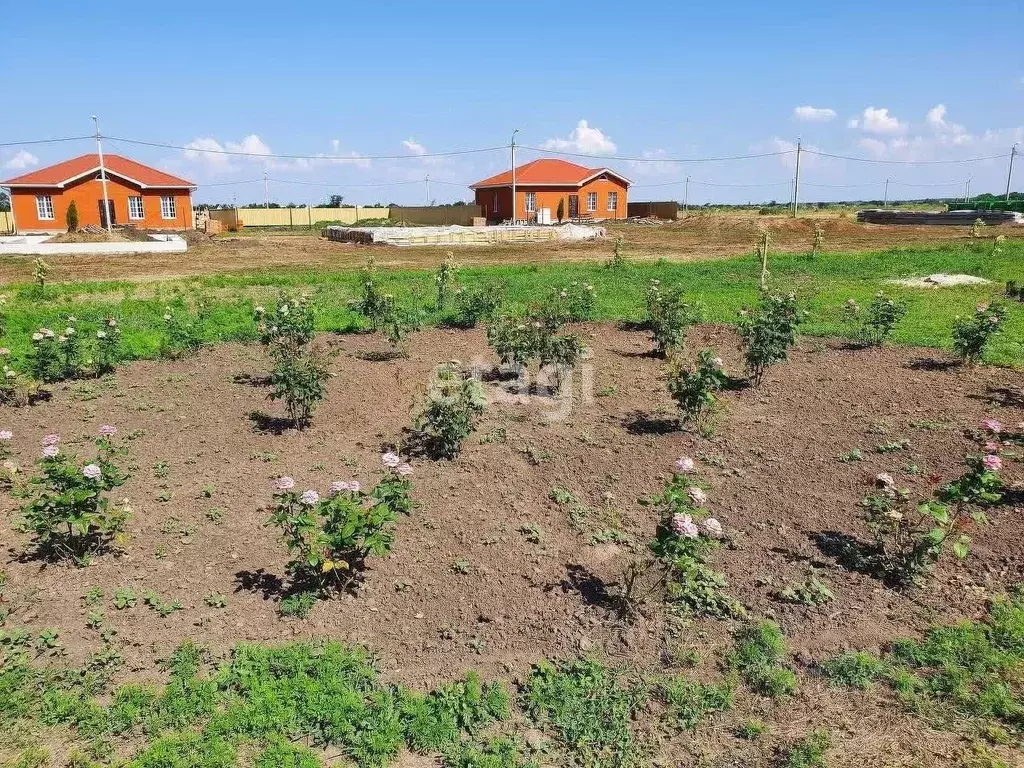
136	195
584	193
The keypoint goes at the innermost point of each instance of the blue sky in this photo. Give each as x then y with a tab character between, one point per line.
882	81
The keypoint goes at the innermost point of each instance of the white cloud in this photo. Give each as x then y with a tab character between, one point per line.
876	147
653	164
878	120
853	122
21	161
809	114
252	149
414	146
583	139
949	133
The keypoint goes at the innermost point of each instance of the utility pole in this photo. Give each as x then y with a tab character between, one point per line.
426	183
796	180
686	195
885	200
1009	173
514	175
266	190
103	176
967	191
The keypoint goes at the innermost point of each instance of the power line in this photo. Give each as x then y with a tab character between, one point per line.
45	141
332	158
657	159
336	184
904	162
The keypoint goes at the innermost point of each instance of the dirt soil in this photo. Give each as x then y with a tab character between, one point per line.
695	238
776	484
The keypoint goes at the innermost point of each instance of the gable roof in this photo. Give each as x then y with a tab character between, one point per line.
548	172
61	174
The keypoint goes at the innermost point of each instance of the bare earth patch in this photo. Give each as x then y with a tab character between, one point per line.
776	484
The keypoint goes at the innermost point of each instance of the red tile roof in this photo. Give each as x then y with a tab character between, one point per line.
58	175
547	171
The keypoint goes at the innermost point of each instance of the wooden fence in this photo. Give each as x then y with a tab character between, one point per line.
436	215
293	217
668	209
6	222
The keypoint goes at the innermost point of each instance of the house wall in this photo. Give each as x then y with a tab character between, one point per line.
548	197
87	193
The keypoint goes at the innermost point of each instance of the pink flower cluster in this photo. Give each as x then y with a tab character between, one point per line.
6	434
992	463
392	460
285	483
683	525
310	497
108	430
340	486
92	471
684	464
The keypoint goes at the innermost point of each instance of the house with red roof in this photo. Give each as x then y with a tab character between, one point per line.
556	185
136	194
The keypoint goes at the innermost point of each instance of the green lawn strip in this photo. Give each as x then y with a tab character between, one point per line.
722	287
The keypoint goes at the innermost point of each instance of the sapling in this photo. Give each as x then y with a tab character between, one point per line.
668	317
300	381
972	334
40	271
819	240
475	304
453	405
618	259
876	324
694	390
46	358
763	244
447	275
768	332
108	346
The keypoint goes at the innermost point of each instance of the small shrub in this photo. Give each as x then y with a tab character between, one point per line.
818	243
454	403
300	381
856	669
812	591
71	217
40	271
330	538
108	346
46	359
182	334
877	324
288	328
446	277
519	340
768	332
759	658
971	335
909	538
435	722
473	305
298	604
618	260
668	317
978	228
695	390
571	304
68	511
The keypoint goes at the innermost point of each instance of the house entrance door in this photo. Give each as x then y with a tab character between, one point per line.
109	212
574	206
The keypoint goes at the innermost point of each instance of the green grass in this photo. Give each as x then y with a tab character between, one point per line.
760	658
960	676
722	287
809	752
688	703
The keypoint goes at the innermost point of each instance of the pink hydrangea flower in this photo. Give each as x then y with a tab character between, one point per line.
49	451
92	471
310	497
992	463
390	460
108	430
684	464
713	527
404	470
989	446
992	426
285	483
6	434
697	496
354	486
339	486
51	439
683	525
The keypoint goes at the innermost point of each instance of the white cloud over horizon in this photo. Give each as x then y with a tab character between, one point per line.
21	161
809	114
583	139
878	120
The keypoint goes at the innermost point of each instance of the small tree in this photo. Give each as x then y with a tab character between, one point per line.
668	317
875	326
819	240
560	210
768	332
71	217
454	403
972	334
763	244
695	390
40	270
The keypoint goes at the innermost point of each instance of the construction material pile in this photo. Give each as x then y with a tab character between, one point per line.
459	235
947	218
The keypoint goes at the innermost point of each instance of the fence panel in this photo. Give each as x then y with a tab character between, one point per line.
6	222
436	215
294	217
667	209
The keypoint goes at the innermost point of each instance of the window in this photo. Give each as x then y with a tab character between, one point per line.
136	211
167	208
495	202
44	207
531	202
591	202
613	201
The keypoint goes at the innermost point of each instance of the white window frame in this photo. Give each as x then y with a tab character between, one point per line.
591	202
132	214
530	202
495	203
44	208
613	201
168	207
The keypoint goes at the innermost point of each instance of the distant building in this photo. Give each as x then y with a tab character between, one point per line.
136	194
584	193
